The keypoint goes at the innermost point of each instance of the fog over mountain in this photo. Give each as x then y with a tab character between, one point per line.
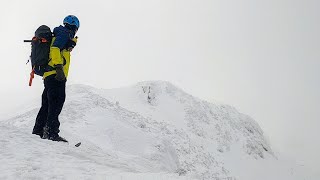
261	57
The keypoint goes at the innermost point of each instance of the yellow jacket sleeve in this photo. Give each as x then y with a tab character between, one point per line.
59	57
56	57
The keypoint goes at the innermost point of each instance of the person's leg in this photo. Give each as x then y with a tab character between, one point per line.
41	119
56	96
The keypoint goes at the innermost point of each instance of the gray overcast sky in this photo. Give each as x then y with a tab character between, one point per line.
260	56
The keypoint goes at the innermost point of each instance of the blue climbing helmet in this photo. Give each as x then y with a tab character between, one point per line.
72	20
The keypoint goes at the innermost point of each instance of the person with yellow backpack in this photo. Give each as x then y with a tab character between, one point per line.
55	76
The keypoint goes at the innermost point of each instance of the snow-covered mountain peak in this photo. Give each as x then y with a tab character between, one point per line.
169	110
156	127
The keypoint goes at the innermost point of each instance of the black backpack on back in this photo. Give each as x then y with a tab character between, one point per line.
40	49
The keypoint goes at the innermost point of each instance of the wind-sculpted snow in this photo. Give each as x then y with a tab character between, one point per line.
152	127
200	132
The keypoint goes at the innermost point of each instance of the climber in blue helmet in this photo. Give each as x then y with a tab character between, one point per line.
47	122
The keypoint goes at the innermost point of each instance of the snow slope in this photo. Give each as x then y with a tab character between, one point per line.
152	130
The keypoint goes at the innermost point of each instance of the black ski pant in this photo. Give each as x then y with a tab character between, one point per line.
53	98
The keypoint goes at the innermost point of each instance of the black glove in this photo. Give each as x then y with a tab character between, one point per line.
71	44
60	74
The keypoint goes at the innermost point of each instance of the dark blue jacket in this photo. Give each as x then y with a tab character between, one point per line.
63	35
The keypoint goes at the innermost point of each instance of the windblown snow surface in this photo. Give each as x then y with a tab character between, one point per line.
152	130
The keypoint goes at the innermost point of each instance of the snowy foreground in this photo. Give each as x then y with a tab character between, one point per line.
152	130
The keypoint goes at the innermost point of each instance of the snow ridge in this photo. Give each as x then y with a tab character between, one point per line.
155	127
